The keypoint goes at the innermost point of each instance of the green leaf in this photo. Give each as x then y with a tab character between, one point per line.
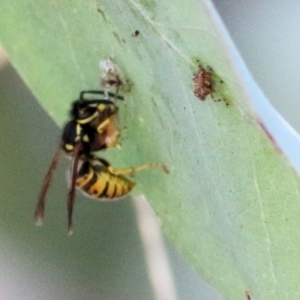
231	200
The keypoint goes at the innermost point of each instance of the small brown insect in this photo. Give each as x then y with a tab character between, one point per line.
203	83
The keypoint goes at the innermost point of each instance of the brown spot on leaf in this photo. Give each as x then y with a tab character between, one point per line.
203	83
100	11
136	33
207	83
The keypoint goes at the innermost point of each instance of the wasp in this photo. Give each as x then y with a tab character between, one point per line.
92	128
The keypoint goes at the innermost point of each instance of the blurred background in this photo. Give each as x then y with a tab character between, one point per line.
106	259
266	35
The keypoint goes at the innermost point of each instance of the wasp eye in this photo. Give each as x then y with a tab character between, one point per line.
86	112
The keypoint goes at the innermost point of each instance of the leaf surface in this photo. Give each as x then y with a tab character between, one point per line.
231	200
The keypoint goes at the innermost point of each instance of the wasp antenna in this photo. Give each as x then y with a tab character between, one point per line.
95	92
81	95
40	206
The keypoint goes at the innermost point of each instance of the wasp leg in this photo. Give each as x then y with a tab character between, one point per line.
132	170
107	119
107	128
102	125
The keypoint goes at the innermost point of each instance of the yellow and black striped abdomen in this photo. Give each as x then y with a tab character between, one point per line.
98	182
